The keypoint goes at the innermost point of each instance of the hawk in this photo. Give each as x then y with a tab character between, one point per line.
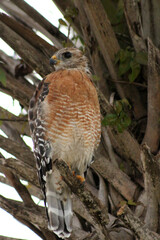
64	118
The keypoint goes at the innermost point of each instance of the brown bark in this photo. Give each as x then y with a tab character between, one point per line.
151	169
136	225
116	177
134	24
58	37
152	134
17	150
63	5
150	20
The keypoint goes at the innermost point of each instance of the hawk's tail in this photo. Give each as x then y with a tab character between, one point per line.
59	210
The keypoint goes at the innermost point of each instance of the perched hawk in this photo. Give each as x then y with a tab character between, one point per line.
64	118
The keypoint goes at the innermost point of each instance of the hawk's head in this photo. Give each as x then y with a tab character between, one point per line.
69	58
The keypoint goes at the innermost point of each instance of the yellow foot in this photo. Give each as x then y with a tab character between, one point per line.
82	179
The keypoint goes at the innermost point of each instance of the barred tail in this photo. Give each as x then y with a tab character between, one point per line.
59	209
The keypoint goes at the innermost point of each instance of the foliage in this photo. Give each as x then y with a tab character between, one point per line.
130	63
120	118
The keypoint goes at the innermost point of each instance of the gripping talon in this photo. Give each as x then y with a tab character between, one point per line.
81	179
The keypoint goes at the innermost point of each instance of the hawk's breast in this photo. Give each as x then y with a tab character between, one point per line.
72	116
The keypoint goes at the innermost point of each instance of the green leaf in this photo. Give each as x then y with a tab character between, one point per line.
70	14
135	68
122	203
141	58
125	103
95	78
125	121
118	107
123	68
119	127
109	119
2	77
122	167
62	22
130	202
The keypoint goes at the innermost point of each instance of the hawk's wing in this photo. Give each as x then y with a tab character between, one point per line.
36	122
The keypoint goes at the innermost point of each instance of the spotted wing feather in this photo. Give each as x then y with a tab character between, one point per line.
41	146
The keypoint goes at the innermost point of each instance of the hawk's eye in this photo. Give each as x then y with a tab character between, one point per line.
67	54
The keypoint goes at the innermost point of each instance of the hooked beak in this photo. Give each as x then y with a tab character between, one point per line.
53	60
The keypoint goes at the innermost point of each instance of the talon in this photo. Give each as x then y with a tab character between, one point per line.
82	179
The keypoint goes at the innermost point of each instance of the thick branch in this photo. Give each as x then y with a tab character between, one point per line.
33	190
21	169
105	36
59	37
126	145
21	16
152	135
31	56
11	132
150	20
17	150
92	204
123	143
136	225
33	217
96	58
9	238
151	171
18	88
116	177
20	188
134	24
63	5
18	123
108	44
27	34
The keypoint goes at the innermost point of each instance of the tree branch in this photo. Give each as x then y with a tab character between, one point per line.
58	37
123	143
134	24
105	36
17	150
14	11
31	56
136	225
21	169
152	134
109	47
33	217
151	172
27	34
63	5
116	177
18	123
20	188
96	58
9	238
18	88
33	190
